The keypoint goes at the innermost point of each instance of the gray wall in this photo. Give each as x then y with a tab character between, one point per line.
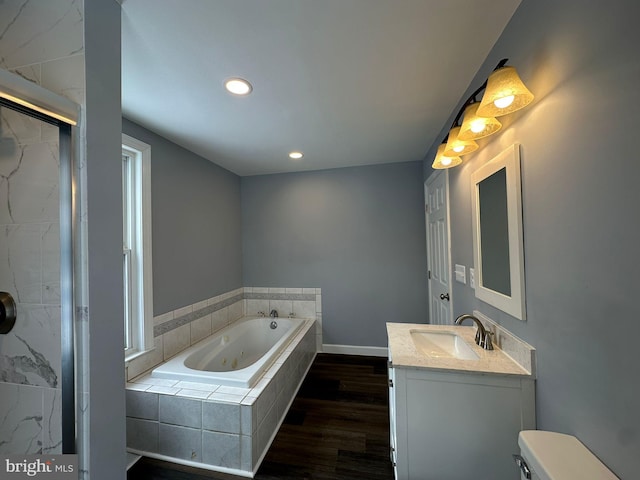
104	240
580	175
195	224
358	233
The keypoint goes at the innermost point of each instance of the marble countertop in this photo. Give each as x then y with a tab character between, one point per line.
404	353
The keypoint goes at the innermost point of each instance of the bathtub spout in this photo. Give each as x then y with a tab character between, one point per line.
274	313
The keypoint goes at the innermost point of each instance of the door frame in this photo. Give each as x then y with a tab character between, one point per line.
429	180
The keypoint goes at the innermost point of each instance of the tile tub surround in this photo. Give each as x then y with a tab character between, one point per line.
177	330
219	428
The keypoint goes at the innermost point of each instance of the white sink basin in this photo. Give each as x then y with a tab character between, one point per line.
442	344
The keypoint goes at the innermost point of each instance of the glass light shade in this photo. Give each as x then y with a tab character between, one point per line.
474	127
502	84
457	147
441	161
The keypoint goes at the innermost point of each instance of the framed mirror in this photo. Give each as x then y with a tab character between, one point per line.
498	250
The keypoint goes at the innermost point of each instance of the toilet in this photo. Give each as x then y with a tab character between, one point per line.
555	456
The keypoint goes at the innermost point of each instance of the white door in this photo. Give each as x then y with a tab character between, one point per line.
436	192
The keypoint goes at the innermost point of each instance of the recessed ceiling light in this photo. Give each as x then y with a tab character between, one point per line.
238	86
296	155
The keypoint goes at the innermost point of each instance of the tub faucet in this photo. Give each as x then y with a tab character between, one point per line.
483	338
273	313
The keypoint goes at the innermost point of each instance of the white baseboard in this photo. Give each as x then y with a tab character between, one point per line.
355	350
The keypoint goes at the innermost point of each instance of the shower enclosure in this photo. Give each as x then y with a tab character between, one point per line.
37	390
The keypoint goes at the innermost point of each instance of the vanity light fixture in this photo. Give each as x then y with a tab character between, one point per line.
504	93
296	155
442	161
238	86
456	146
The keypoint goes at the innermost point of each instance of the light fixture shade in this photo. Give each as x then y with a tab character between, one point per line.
441	161
474	127
505	93
456	147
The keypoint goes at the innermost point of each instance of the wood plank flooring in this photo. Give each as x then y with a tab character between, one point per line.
337	429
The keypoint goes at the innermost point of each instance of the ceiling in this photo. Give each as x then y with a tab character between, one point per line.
347	82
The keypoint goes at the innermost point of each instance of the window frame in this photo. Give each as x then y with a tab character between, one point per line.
137	248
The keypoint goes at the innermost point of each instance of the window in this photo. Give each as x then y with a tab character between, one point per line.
136	243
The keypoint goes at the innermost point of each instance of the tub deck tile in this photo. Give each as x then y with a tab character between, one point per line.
200	394
225	397
163	390
205	387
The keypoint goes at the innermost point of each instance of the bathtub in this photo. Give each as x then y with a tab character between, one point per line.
236	356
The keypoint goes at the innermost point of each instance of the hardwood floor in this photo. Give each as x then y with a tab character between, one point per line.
337	429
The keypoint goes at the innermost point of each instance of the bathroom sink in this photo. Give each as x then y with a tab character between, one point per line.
442	344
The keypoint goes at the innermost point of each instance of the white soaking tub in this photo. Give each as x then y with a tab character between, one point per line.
236	356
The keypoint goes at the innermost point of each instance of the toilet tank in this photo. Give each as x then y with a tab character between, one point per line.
555	456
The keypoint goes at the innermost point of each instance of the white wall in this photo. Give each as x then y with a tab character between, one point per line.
580	195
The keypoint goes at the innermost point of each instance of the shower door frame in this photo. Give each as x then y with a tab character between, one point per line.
67	228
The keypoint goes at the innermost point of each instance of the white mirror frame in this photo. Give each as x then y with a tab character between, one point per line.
514	305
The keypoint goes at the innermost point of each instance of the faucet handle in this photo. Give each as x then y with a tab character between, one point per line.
488	343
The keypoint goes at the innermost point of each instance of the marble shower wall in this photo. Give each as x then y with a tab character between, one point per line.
42	41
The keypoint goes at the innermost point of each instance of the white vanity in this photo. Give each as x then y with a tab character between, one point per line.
455	408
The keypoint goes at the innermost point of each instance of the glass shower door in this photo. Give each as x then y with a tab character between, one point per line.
31	354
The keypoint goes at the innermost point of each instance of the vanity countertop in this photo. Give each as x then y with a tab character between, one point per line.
404	353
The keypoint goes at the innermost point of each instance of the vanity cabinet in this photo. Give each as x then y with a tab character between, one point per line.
451	425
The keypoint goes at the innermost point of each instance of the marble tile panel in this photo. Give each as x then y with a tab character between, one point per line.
163	390
52	421
267	428
30	353
51	264
179	312
137	387
200	305
180	442
20	419
284	307
265	401
16	130
142	405
248	420
225	397
199	394
36	31
254	306
30	192
33	72
180	411
147	360
304	309
219	319
221	449
65	76
200	328
148	379
165	317
205	387
142	435
246	453
176	340
221	417
236	310
21	261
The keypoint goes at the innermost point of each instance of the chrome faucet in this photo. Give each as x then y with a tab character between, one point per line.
483	338
273	313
